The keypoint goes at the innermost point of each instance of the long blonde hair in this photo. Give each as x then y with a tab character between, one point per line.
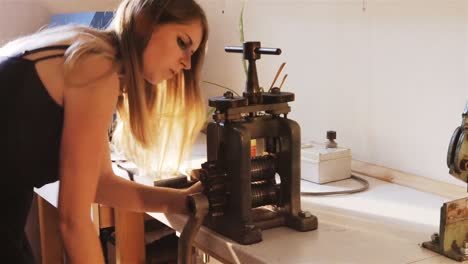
157	124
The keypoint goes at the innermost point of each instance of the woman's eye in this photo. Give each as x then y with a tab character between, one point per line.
181	43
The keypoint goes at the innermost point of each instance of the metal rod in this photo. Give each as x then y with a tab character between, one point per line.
198	205
269	51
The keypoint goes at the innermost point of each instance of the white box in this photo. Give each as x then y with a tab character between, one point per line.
321	165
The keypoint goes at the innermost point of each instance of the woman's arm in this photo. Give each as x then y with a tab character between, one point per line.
118	192
87	113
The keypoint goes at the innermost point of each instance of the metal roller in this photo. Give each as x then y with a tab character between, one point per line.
264	193
262	168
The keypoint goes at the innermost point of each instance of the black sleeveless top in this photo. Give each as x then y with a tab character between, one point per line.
34	122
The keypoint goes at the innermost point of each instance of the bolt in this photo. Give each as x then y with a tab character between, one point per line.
464	164
275	90
211	165
228	95
331	135
305	214
249	227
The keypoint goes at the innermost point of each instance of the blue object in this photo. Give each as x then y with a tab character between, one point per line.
95	19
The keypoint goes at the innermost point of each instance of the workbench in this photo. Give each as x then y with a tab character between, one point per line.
385	224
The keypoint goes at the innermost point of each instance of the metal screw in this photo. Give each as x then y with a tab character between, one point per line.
206	258
228	95
305	214
249	227
331	135
464	164
275	90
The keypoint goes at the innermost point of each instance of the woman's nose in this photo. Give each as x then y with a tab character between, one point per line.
186	61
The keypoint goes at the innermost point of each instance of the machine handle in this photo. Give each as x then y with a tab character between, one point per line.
252	51
198	206
267	51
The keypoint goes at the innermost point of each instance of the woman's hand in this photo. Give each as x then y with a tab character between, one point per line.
179	204
196	188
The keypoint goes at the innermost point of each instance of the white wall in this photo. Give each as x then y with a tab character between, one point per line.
20	18
418	82
73	6
392	80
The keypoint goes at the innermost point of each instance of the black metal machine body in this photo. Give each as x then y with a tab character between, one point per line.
249	193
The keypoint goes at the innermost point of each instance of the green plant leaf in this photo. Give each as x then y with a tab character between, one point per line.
242	34
222	86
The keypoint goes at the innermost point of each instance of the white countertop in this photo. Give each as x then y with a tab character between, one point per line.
385	224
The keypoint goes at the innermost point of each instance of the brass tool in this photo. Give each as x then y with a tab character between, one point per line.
452	239
457	155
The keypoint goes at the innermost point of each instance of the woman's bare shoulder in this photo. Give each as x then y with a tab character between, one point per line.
92	68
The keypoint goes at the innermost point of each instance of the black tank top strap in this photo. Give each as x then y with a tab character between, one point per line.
47	57
54	47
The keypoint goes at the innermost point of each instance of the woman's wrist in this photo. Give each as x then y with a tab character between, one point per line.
176	203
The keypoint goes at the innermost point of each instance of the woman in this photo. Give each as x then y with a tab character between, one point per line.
62	86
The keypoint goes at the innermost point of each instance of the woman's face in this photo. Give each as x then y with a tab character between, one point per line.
170	50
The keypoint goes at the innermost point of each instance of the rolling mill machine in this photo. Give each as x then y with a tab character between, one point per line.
237	184
244	193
